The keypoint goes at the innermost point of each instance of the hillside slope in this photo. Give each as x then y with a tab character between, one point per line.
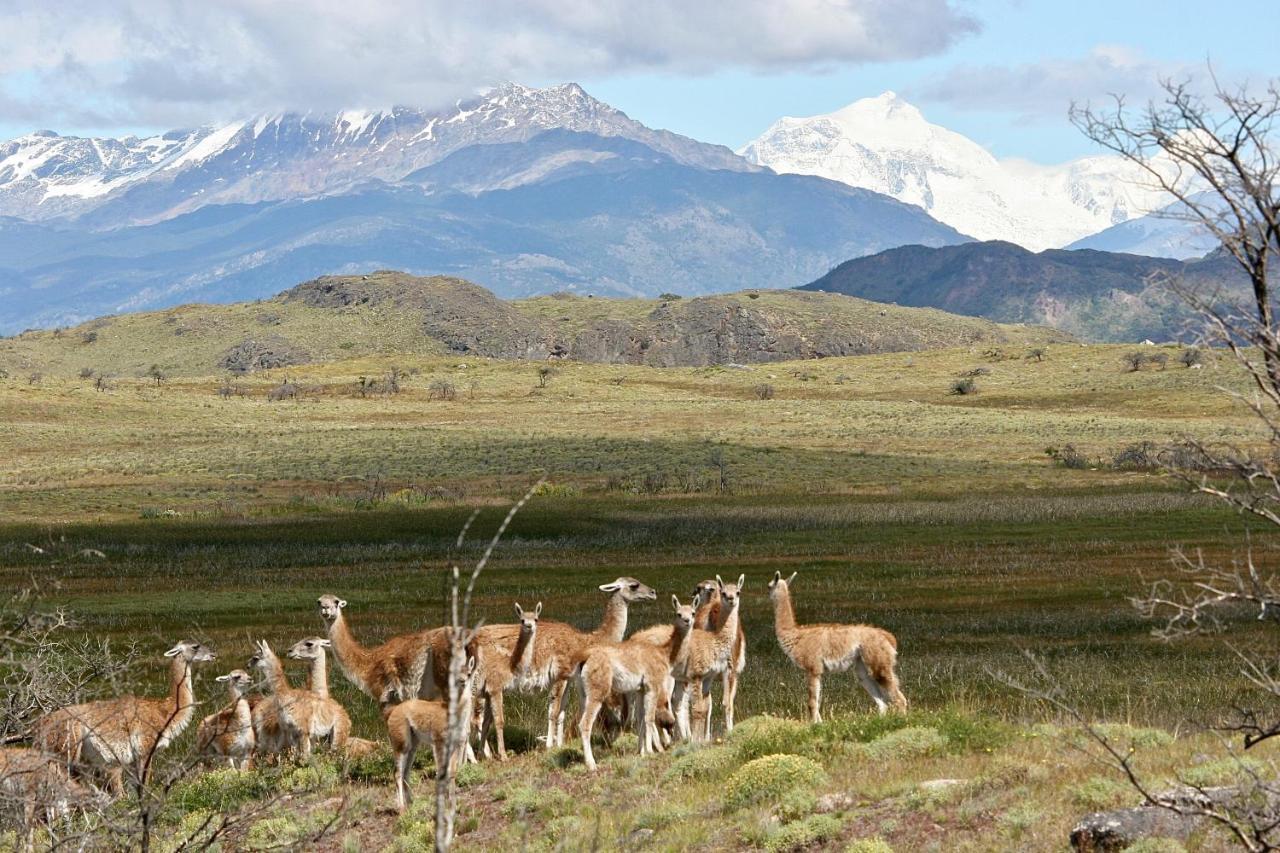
389	313
1103	296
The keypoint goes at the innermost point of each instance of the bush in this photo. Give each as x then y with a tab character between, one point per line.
442	389
797	804
964	386
274	833
317	776
1159	358
565	756
86	373
765	735
222	790
803	833
911	742
523	800
1190	357
669	297
1101	792
763	391
1068	457
869	845
963	733
977	371
1136	736
707	762
1133	361
1228	770
770	778
1143	456
1036	354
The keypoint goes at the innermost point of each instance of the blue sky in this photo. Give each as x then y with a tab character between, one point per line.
1001	72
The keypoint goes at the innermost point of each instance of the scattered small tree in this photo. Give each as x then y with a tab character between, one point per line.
669	297
89	337
1133	361
156	374
763	391
1160	359
35	378
1190	357
964	386
442	389
1036	354
545	372
86	373
100	383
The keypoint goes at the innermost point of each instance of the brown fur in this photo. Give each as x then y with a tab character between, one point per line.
330	719
228	733
638	669
501	667
113	734
872	652
391	672
36	787
286	719
710	617
412	723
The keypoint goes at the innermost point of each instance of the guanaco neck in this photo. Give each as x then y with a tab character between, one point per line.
239	704
727	631
613	627
678	645
708	616
180	685
522	654
784	618
318	676
275	674
353	658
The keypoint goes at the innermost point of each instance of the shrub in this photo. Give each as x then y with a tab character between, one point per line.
869	845
763	391
523	800
565	756
964	386
416	828
962	732
911	742
1100	792
1133	361
977	371
669	297
1037	354
1190	357
797	804
766	735
1021	819
222	790
274	833
86	373
1136	736
89	337
442	389
544	375
706	762
1228	770
1143	456
317	776
1159	358
1068	457
803	833
771	777
470	775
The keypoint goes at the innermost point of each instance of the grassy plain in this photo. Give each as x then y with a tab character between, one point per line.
938	516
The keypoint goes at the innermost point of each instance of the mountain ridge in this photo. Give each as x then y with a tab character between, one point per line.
391	313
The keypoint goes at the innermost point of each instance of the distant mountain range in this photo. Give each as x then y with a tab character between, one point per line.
344	317
522	190
1101	296
885	144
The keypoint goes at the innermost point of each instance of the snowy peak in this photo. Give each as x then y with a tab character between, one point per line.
296	155
886	144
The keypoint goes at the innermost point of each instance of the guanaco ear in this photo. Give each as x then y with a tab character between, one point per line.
324	644
720	583
610	587
675	602
742	579
174	652
792	578
519	611
537	611
342	602
777	576
223	678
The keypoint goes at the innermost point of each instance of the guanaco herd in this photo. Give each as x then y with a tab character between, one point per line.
661	676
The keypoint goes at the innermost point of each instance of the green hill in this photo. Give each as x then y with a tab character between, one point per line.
392	313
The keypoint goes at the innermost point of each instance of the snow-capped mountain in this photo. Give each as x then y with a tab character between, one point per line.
294	155
885	144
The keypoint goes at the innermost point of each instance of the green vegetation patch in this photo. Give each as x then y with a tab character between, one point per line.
769	778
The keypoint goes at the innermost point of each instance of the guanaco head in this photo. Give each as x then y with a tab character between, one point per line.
729	592
630	589
330	607
778	586
191	652
684	615
262	656
238	680
309	649
705	591
528	621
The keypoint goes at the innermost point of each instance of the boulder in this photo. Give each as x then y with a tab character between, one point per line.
1103	832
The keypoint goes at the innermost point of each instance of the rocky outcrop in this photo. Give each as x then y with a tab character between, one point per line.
265	353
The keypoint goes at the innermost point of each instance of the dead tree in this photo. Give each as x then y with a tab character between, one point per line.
1216	158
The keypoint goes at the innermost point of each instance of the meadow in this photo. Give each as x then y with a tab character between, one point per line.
158	511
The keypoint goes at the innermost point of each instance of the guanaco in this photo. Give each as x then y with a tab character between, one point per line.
228	733
128	732
817	649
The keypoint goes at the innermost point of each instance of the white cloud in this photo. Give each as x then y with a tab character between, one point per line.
1046	89
176	61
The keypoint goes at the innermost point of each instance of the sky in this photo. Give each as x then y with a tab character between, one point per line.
1002	72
